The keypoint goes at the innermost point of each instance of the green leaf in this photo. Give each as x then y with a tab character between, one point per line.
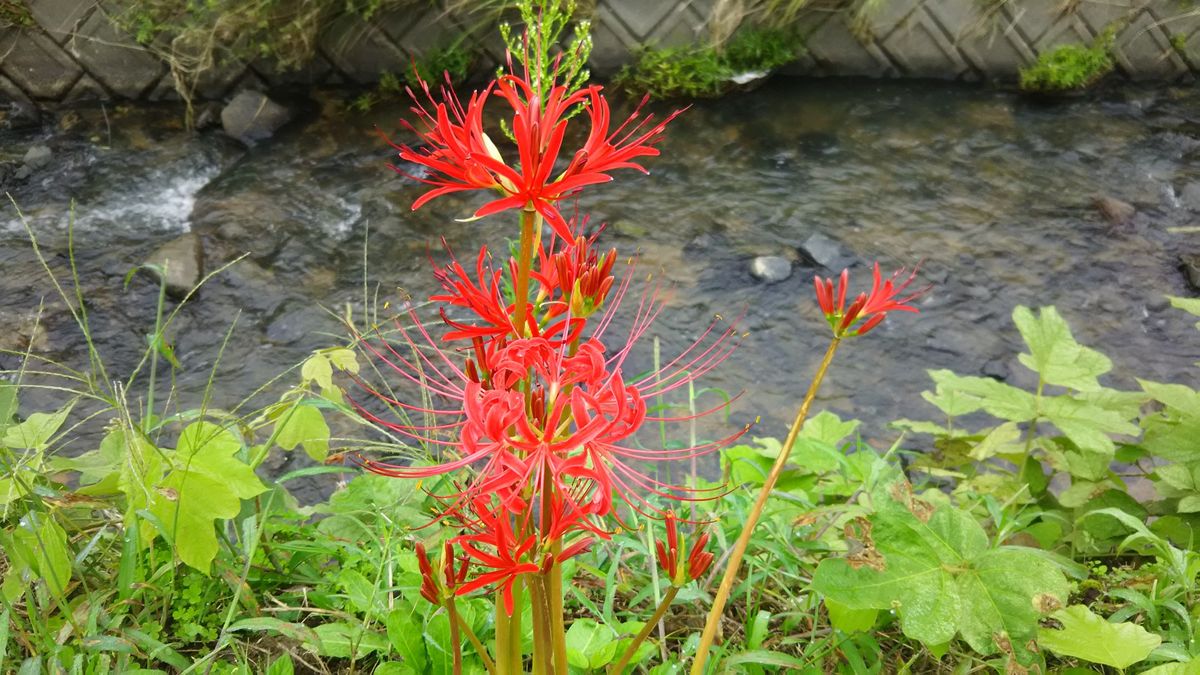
304	425
317	368
281	666
997	398
1177	396
1085	635
849	620
1189	668
1054	353
48	553
1002	440
943	579
342	640
951	402
36	431
1085	424
188	503
343	359
404	631
763	657
828	428
294	631
211	450
590	645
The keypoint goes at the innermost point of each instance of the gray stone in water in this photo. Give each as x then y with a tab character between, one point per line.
1189	264
771	268
1189	196
182	259
38	157
826	252
252	117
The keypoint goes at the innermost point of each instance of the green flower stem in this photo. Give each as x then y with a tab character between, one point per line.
455	640
668	598
739	550
529	219
554	598
463	626
543	663
504	664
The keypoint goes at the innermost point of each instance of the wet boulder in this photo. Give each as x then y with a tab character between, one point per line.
251	117
1189	265
38	157
826	252
1189	196
771	268
1115	211
179	263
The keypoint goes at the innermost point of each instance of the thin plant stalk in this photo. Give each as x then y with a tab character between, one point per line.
529	219
455	640
739	550
554	598
463	626
503	629
646	630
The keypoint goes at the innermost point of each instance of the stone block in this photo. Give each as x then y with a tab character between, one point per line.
86	89
37	65
1144	51
642	19
360	51
113	58
11	93
60	18
923	49
836	51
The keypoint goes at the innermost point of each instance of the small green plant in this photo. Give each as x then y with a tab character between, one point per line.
14	13
700	72
452	61
1070	67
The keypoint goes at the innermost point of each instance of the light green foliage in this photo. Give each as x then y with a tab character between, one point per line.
1086	636
701	72
590	645
1055	355
1070	67
937	568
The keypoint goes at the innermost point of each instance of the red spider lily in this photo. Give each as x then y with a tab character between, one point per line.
577	429
697	561
460	156
434	589
870	308
493	530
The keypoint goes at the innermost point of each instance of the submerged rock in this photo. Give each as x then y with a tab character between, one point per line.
1189	196
38	157
771	268
1189	264
826	252
1114	210
251	117
182	263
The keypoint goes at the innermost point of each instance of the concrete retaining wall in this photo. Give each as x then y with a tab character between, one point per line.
73	53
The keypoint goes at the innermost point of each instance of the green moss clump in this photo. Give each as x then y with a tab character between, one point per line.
703	72
1070	67
434	66
14	13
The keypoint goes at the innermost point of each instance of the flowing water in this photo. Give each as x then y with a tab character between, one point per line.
990	192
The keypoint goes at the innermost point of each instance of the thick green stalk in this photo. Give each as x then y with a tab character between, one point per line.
554	599
455	641
646	630
529	219
503	629
739	550
542	651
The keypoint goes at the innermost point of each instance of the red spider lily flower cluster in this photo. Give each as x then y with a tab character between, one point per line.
433	588
459	155
535	419
868	308
682	570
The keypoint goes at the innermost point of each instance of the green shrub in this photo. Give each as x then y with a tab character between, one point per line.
1070	67
698	72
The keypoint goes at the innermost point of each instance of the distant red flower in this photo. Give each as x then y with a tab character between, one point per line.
459	155
869	308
